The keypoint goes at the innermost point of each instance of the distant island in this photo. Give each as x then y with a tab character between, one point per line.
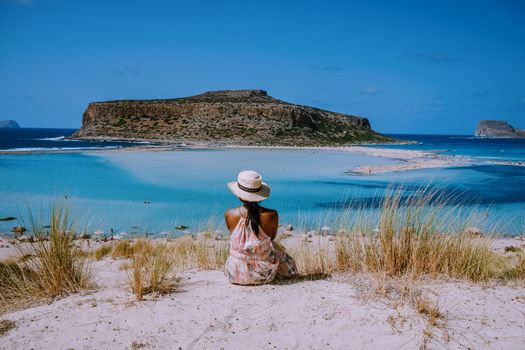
229	117
497	129
8	124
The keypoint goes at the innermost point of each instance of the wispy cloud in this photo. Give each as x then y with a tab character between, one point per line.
522	100
371	91
433	57
126	70
437	105
479	94
326	67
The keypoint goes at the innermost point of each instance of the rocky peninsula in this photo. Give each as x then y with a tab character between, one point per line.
228	117
8	124
497	129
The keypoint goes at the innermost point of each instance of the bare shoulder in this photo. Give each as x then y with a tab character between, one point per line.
268	211
231	216
230	213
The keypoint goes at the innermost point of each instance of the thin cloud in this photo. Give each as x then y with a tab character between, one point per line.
326	67
522	100
437	105
371	91
131	70
434	57
479	94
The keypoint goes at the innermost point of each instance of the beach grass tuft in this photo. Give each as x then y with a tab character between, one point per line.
152	269
51	265
6	326
101	252
122	249
421	235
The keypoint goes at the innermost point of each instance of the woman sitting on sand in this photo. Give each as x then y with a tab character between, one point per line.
255	258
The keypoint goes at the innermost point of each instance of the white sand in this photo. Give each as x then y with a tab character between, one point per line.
406	160
209	313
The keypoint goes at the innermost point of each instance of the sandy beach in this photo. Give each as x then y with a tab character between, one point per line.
206	312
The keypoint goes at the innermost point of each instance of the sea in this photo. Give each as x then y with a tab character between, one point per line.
147	192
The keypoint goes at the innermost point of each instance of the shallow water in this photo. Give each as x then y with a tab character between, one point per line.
108	190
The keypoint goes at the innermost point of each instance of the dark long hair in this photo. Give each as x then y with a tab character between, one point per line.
253	215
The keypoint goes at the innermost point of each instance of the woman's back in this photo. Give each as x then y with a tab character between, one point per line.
254	257
268	219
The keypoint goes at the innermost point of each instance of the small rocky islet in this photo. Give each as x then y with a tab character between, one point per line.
497	129
227	117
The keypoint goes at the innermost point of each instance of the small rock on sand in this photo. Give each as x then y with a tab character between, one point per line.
473	231
18	229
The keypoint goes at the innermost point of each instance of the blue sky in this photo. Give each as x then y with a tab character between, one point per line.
408	66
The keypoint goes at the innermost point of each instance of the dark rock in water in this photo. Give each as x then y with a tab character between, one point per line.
181	227
9	124
497	129
18	229
8	218
242	117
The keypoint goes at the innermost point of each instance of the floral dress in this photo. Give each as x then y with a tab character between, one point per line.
256	260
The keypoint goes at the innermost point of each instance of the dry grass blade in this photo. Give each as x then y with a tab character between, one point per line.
152	269
52	266
6	326
422	234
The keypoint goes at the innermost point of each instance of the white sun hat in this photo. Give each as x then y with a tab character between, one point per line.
250	187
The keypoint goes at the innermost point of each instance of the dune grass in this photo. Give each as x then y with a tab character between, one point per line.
421	235
51	266
152	269
154	264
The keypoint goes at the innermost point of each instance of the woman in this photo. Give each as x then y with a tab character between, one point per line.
254	256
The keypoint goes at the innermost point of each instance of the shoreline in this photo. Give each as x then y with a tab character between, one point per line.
413	159
406	160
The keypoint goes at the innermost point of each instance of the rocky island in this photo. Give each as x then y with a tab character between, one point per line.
497	129
228	117
8	124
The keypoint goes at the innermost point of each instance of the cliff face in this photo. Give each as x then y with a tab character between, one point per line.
244	117
496	129
9	124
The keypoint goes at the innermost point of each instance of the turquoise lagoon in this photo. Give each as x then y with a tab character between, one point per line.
152	192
